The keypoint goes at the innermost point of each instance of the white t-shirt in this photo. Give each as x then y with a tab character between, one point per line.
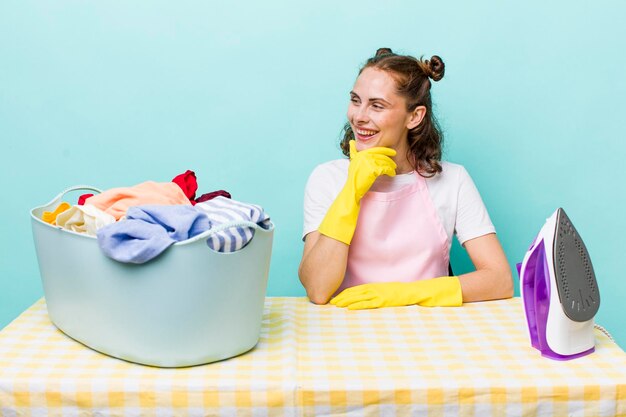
453	193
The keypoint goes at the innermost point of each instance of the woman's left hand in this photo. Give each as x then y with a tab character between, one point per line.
436	292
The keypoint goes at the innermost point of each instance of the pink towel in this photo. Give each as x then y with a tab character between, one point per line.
117	200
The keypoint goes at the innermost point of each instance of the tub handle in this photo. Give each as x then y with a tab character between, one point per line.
203	235
69	190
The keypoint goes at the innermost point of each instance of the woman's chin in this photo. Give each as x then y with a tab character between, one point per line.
366	143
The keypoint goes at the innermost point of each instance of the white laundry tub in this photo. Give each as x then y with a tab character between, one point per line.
189	306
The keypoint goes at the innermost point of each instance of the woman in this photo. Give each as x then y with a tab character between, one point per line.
378	227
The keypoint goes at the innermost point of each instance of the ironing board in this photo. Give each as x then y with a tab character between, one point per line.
475	360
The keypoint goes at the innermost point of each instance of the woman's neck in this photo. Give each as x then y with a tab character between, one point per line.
403	167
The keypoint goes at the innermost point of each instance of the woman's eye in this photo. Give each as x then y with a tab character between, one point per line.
354	100
377	106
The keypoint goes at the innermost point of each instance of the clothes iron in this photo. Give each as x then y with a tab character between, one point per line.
559	291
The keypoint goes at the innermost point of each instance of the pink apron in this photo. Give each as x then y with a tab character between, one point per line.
398	237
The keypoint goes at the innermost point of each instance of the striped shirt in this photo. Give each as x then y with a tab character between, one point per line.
229	214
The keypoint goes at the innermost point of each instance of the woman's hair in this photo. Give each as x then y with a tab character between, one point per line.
412	77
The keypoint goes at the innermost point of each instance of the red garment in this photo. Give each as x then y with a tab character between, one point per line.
82	198
212	195
188	183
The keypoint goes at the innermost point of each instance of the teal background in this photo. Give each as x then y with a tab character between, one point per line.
252	95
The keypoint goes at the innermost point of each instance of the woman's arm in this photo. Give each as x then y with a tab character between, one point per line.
325	254
492	279
323	266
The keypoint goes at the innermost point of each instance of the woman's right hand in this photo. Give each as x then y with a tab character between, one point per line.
325	256
365	166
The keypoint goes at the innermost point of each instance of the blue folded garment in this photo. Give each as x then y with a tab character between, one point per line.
148	230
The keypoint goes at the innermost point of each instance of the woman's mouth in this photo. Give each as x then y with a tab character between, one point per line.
365	134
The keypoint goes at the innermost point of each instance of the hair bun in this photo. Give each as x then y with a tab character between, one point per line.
436	68
383	51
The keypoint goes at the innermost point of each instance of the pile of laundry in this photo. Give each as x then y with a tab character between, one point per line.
136	224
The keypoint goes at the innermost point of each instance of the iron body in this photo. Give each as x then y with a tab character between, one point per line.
559	291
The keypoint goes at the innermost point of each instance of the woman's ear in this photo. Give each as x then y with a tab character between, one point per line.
416	117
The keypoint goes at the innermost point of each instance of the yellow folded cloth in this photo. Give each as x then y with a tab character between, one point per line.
51	216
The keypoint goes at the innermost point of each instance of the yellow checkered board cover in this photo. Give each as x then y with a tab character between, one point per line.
311	360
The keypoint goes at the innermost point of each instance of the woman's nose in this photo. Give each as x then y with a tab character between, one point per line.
361	114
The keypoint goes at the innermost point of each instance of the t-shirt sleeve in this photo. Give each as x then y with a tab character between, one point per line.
472	219
321	190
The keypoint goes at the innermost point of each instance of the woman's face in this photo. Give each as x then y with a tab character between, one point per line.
378	115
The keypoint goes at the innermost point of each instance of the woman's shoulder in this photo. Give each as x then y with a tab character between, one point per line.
450	173
328	176
452	167
332	168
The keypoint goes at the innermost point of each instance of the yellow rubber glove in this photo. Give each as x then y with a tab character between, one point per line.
365	166
436	292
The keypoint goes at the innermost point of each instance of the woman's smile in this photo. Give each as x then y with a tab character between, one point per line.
365	135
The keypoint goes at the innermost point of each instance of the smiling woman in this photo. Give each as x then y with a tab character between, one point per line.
391	106
378	226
